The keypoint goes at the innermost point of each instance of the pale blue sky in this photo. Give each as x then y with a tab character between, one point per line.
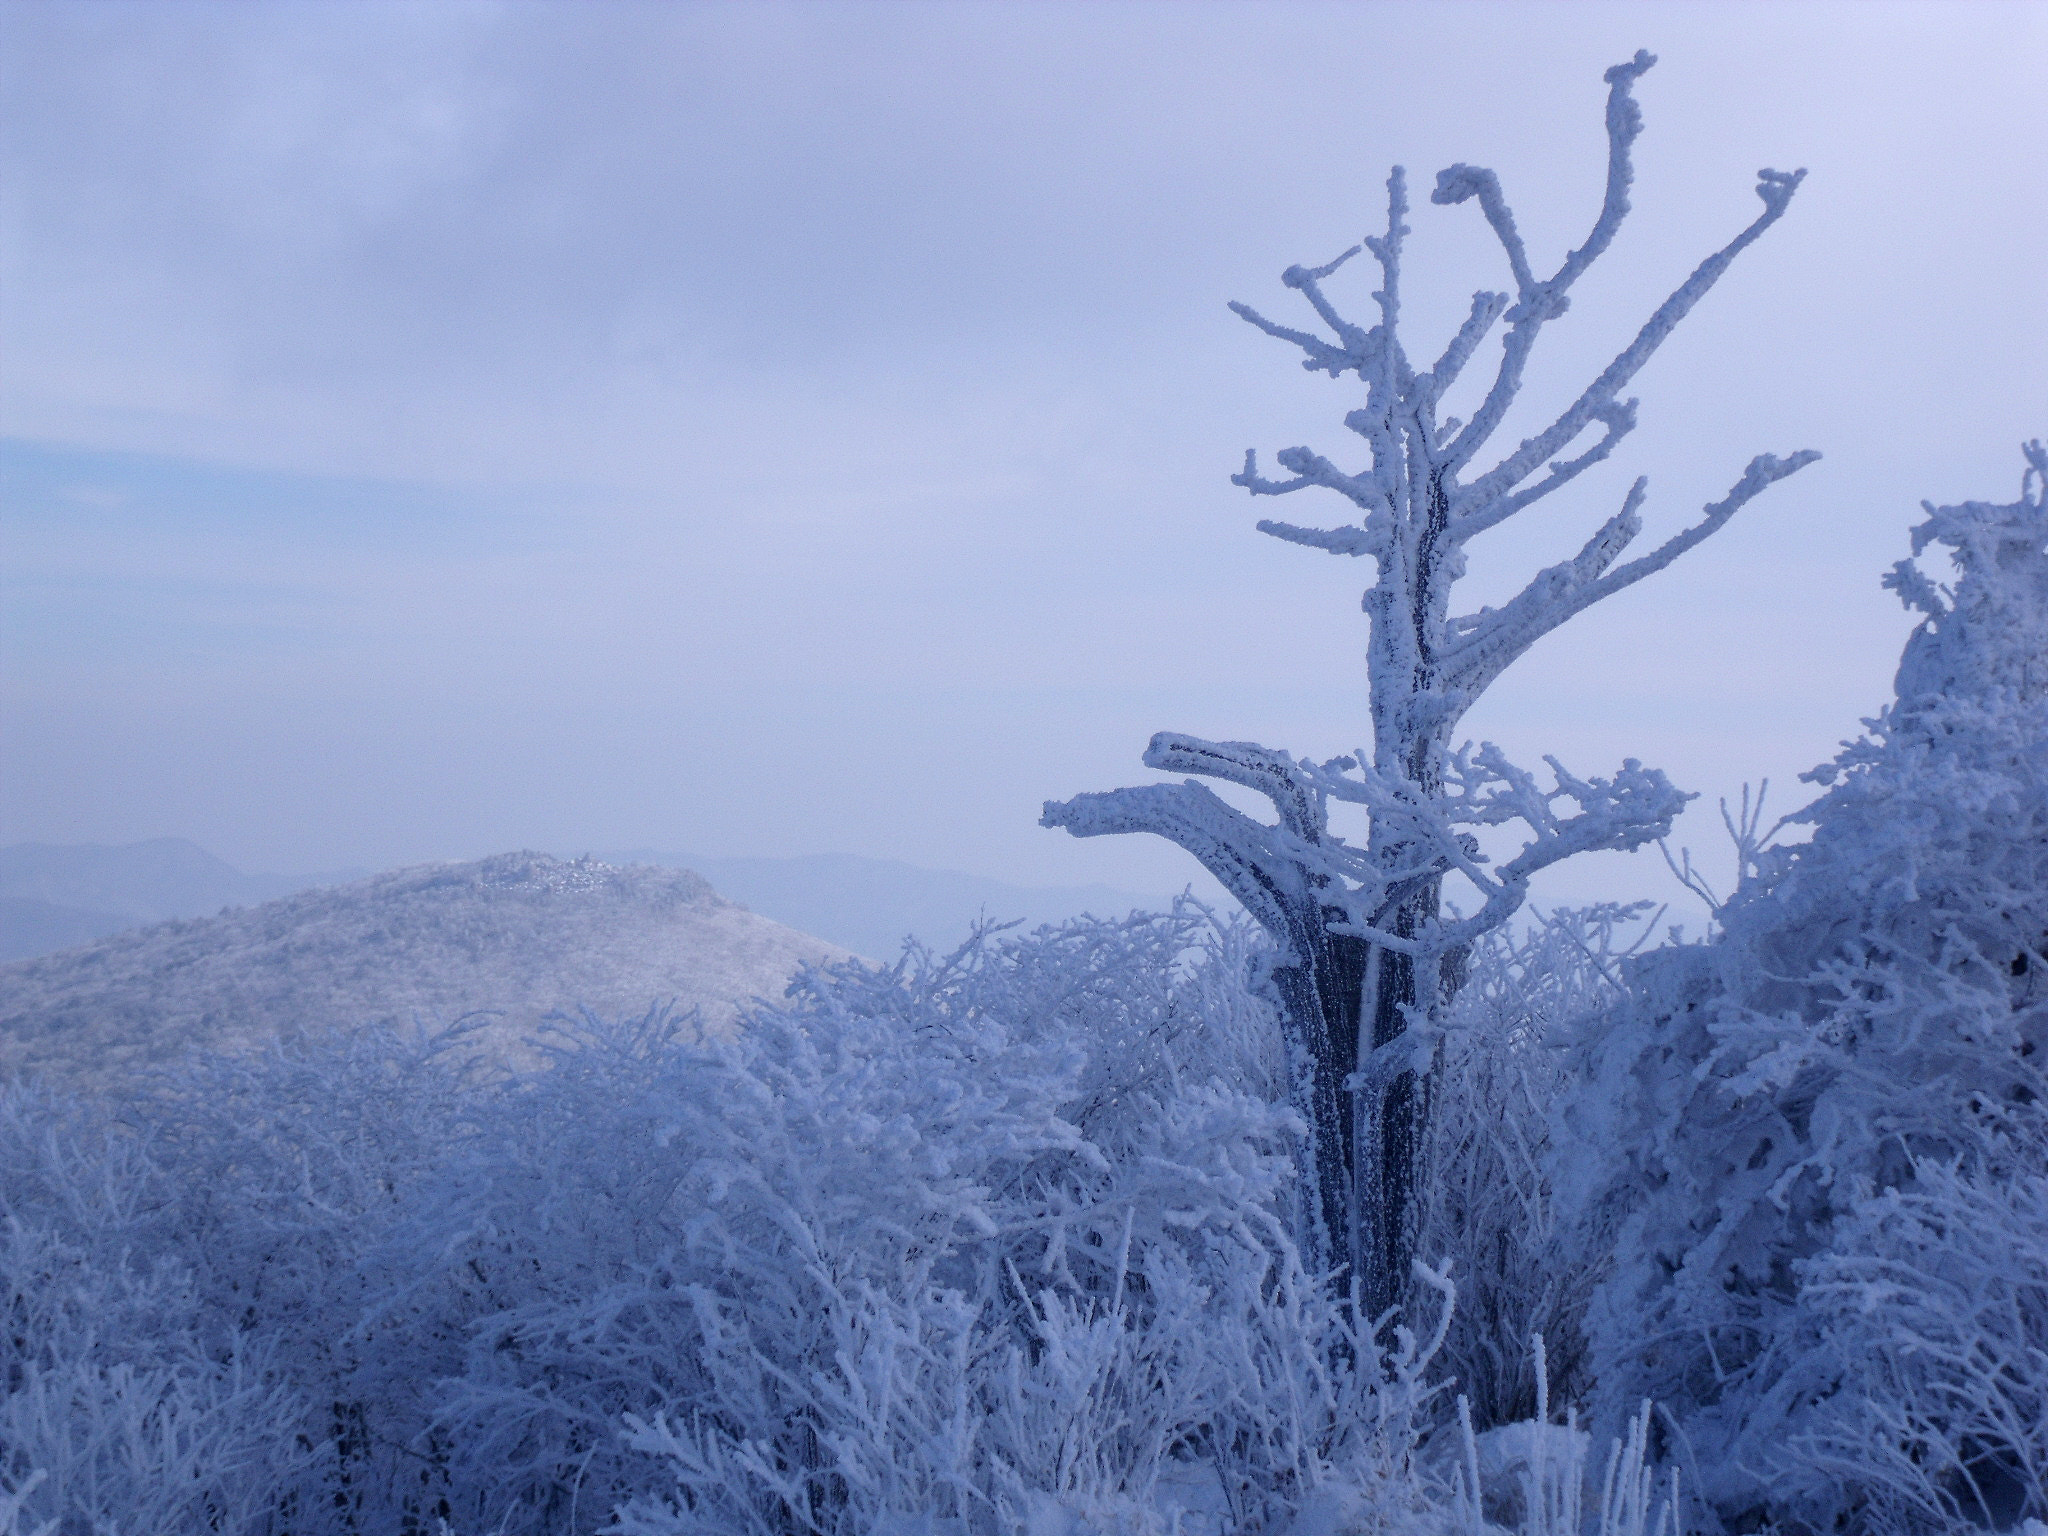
440	428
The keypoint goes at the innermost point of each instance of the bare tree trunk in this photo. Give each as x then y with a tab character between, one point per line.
1323	1002
1352	999
1390	1118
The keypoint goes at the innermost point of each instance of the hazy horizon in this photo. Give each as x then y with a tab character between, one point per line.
788	429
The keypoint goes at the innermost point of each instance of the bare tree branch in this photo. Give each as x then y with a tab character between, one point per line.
1776	189
1230	845
1295	797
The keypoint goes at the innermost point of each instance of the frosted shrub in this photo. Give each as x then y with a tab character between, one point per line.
985	1240
1524	1265
1002	1240
222	1231
1539	1477
122	1406
1847	1084
1935	1300
286	1175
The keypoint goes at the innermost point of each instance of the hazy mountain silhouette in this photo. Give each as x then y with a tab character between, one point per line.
55	895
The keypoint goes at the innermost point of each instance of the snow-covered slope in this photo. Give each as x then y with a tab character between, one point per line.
520	934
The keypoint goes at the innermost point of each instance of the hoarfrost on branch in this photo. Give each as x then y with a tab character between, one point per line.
1368	950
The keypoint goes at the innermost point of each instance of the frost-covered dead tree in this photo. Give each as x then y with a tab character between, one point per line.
1368	945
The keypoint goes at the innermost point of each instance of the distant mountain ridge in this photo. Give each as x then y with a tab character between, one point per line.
872	905
520	935
55	895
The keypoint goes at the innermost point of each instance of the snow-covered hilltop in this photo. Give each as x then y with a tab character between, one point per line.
518	934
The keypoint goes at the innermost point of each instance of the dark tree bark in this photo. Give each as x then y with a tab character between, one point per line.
1323	1002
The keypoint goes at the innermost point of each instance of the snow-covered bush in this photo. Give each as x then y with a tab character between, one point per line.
1934	1301
1002	1240
1844	1091
1539	1477
979	1240
123	1406
1523	1264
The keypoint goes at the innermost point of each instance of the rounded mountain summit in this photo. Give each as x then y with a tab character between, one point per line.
514	937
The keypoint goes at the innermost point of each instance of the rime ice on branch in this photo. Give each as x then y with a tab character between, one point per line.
1367	953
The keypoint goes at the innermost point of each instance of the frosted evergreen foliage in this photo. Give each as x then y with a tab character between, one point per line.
1367	953
1826	1130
